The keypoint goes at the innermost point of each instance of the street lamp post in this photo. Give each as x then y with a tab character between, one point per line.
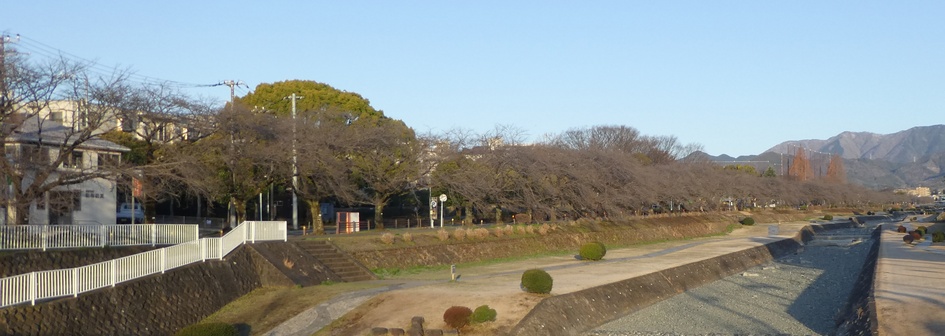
442	205
432	204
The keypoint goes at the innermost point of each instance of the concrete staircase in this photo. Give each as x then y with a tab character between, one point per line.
338	262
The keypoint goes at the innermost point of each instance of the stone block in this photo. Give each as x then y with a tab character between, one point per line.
378	331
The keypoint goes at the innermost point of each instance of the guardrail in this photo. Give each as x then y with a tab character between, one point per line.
42	285
36	237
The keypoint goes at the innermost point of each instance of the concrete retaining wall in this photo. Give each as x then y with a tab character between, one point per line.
577	312
156	305
22	262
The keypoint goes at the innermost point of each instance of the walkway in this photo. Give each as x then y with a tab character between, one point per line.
910	285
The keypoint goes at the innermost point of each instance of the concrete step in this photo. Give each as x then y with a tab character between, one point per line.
336	261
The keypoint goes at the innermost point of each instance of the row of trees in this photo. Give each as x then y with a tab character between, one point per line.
342	150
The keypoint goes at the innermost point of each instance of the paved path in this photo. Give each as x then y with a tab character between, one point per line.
910	285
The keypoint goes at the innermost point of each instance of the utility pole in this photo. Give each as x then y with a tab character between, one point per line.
4	39
232	84
230	213
8	196
295	167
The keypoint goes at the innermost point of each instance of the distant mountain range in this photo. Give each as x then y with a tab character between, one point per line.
910	158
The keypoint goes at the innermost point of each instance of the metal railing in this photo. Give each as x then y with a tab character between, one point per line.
42	285
43	237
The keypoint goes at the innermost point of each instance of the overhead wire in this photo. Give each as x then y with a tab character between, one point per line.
46	51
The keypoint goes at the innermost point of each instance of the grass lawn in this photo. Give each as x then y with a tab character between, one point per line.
265	308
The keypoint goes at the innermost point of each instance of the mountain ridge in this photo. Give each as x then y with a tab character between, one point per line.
908	158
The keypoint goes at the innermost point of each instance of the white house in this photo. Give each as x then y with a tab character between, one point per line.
88	196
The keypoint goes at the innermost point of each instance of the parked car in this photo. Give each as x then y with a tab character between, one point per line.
125	213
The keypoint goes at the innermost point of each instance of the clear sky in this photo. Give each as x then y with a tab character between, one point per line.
737	77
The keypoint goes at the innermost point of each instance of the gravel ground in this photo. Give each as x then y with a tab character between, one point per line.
799	294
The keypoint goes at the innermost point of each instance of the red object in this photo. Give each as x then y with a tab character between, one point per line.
137	190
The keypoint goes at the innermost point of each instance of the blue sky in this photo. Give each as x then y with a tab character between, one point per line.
737	77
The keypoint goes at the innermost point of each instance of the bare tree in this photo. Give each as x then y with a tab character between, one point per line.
386	162
238	160
53	115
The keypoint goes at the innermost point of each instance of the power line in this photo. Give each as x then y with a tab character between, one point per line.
49	52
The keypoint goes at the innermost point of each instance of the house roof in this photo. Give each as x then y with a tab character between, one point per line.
51	133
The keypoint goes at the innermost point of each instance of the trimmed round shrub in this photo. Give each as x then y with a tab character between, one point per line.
938	237
459	234
593	251
483	314
828	217
908	239
915	235
922	230
442	234
209	329
481	233
602	246
747	221
457	317
537	281
902	229
499	232
387	238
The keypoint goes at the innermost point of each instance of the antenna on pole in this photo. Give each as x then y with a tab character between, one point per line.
233	84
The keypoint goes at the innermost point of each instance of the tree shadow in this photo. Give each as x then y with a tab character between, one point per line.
244	329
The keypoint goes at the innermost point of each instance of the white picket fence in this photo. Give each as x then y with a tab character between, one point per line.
43	285
43	237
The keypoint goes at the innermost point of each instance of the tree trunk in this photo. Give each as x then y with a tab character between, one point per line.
379	213
21	215
467	219
318	227
498	215
240	208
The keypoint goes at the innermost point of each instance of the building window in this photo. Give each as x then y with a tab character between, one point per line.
76	201
55	116
35	155
41	202
108	160
66	201
74	160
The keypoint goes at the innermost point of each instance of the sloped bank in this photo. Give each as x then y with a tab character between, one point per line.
573	313
563	239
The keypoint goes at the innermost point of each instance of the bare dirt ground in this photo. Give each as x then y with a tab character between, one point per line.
497	285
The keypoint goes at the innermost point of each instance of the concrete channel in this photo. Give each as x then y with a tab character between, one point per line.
809	292
603	310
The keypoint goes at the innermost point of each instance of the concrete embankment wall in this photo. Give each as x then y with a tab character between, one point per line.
479	250
574	313
156	305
